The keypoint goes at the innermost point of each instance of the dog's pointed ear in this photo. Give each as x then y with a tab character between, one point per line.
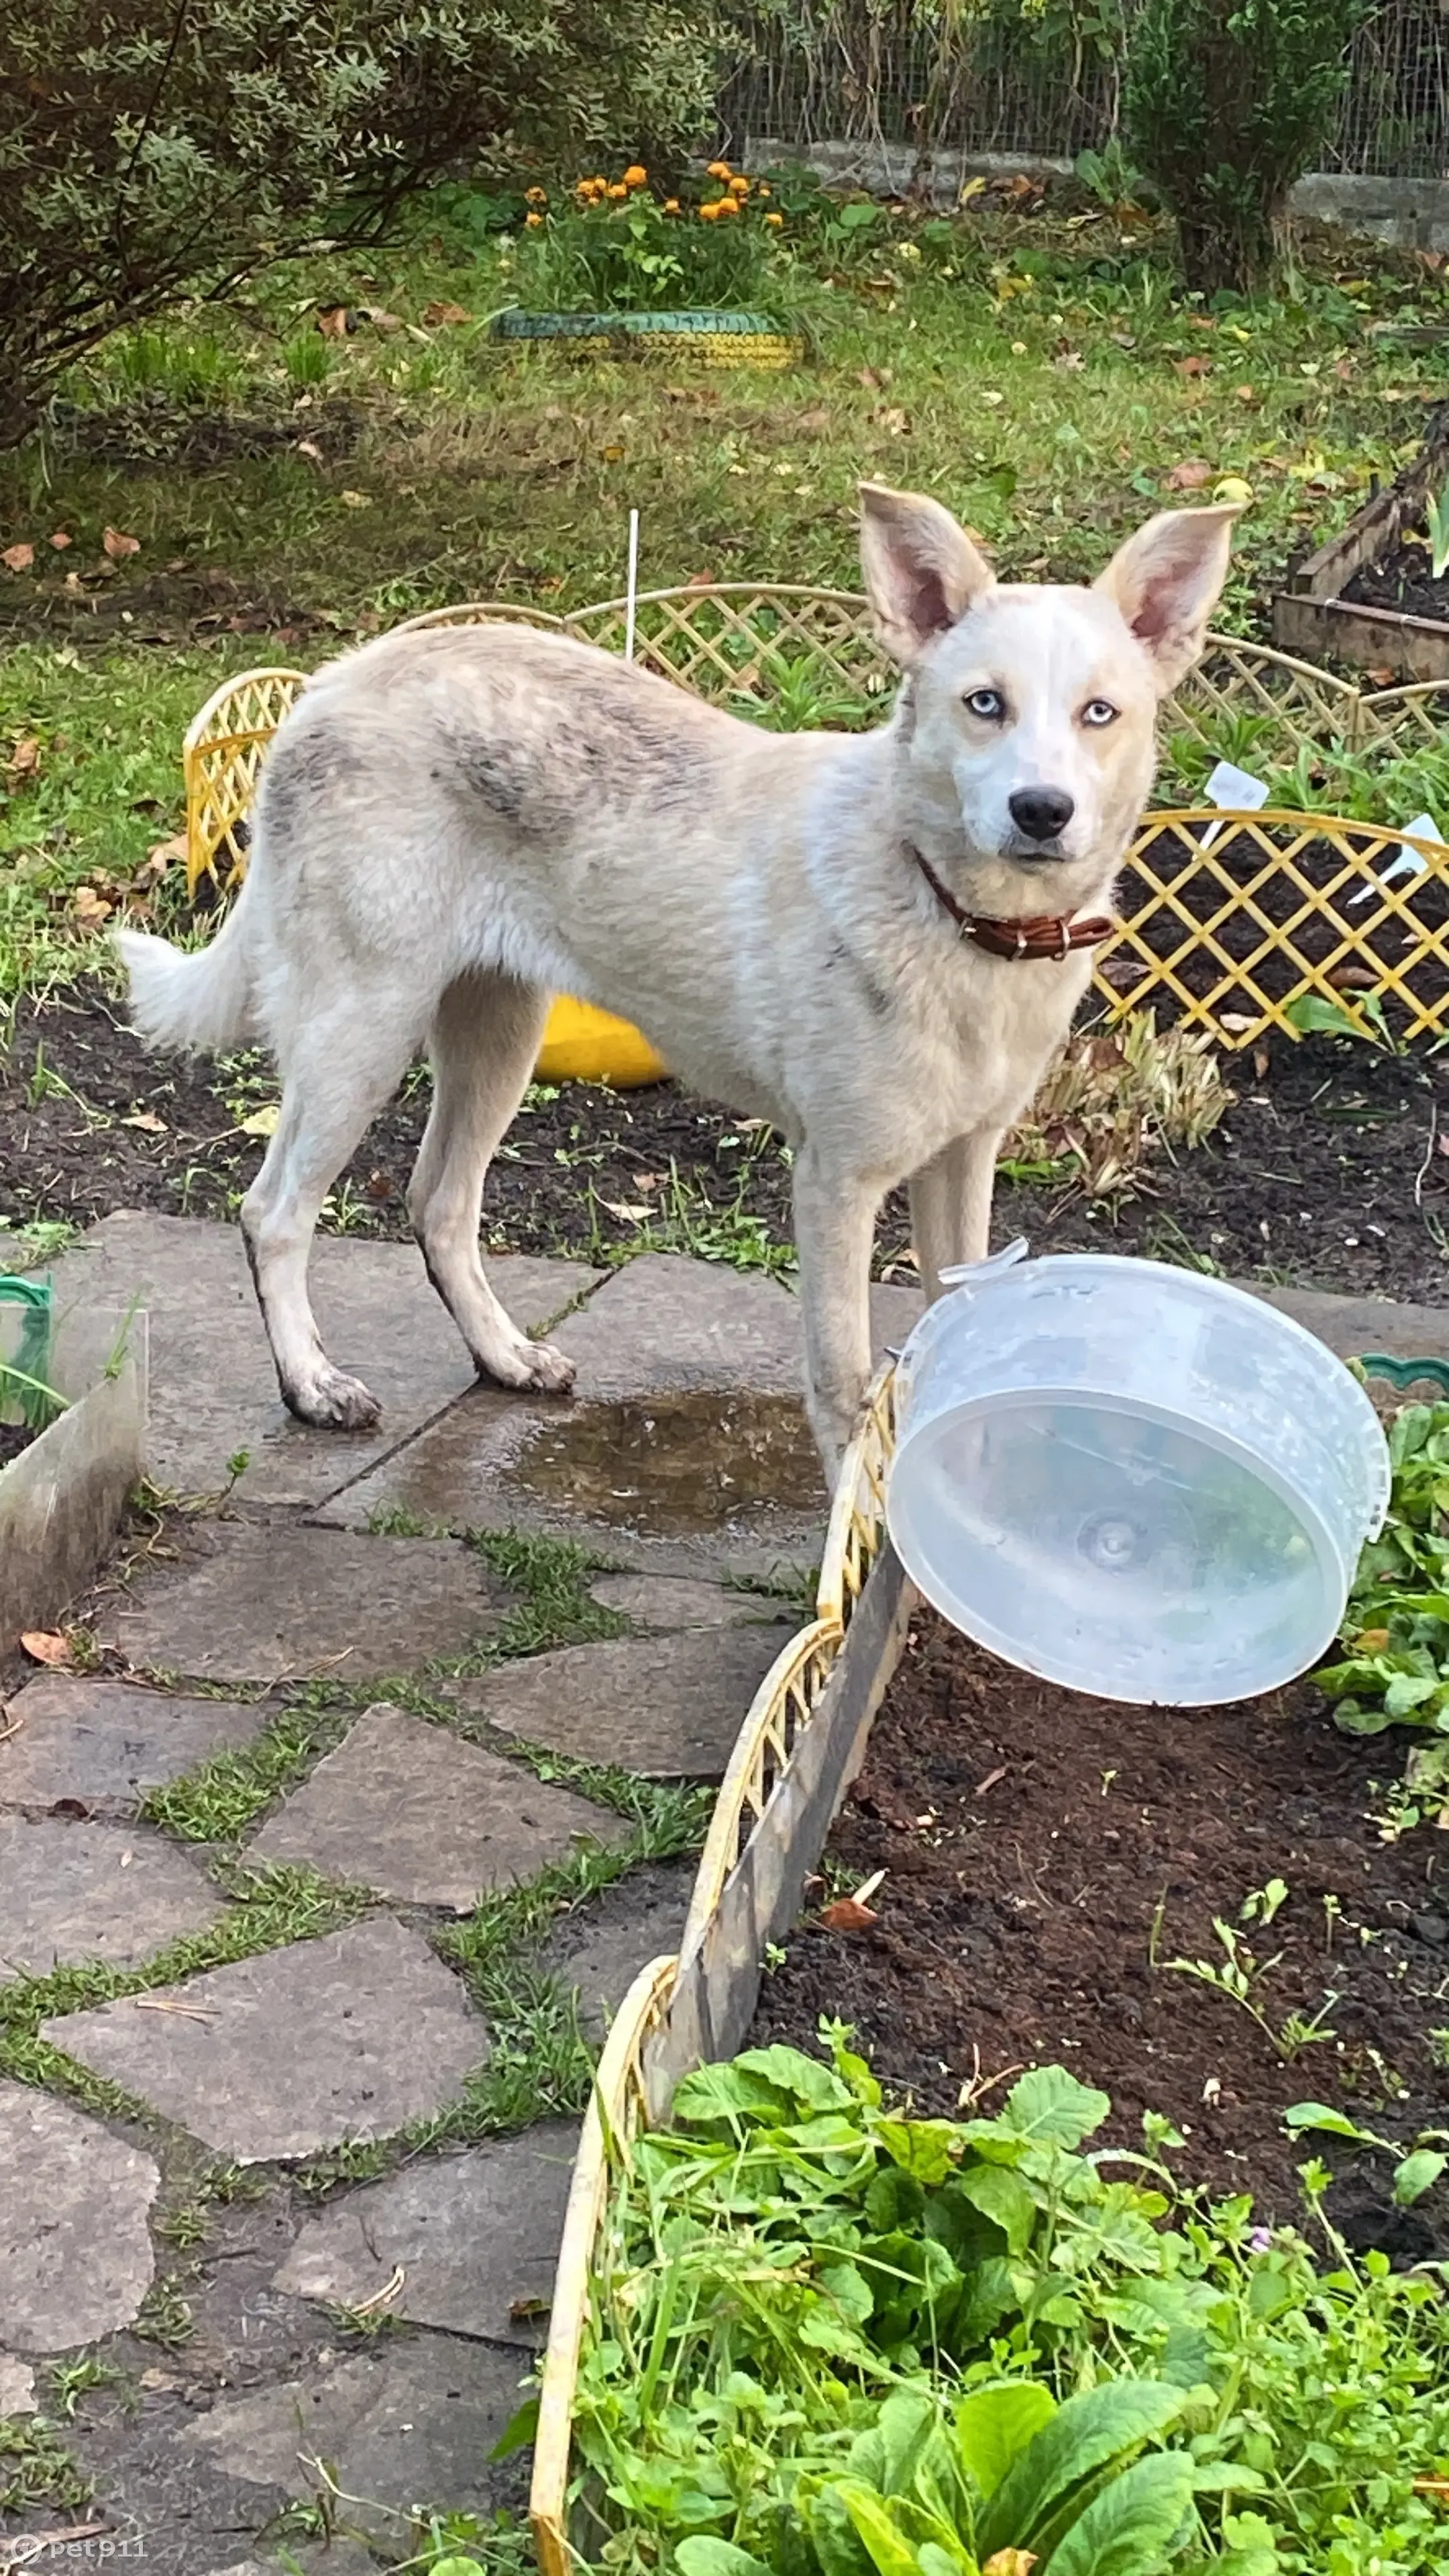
921	570
1165	580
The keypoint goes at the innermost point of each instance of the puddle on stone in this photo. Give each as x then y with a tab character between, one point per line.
670	1466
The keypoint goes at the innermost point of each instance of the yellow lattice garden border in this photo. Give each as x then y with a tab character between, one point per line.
717	640
629	2091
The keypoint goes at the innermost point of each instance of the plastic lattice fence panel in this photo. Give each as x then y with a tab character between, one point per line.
1229	919
810	656
220	759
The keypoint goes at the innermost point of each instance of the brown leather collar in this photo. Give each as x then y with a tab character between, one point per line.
1045	935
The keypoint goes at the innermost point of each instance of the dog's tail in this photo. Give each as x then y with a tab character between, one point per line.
199	999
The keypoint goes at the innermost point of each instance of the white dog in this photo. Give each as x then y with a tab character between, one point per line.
876	941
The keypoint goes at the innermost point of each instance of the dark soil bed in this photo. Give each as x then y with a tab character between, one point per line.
1403	580
14	1436
1042	1850
1327	1171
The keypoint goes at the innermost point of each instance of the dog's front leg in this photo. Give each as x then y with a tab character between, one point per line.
951	1206
834	1231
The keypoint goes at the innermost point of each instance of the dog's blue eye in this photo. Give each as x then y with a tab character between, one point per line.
1099	711
989	704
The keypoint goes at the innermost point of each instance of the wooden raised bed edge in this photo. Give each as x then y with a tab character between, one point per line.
1312	617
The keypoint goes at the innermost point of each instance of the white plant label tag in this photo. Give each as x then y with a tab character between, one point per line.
1236	788
1409	863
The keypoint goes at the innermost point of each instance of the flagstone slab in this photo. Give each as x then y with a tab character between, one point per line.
685	1448
666	1707
668	1601
410	2424
421	1816
599	1948
213	1388
71	1891
352	2036
75	2252
17	2387
270	1602
103	1745
475	2236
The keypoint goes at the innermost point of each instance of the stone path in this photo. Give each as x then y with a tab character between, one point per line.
292	2167
309	1889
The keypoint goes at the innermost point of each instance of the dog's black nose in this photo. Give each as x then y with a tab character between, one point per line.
1041	812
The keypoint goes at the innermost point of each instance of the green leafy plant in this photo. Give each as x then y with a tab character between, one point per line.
1416	2168
621	246
829	2339
1225	104
1395	1670
1239	1974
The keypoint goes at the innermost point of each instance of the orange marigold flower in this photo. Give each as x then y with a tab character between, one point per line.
739	187
718	170
775	222
728	206
708	213
531	223
671	205
535	196
635	175
764	191
617	191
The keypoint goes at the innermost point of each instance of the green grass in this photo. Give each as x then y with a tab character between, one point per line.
1029	371
36	2469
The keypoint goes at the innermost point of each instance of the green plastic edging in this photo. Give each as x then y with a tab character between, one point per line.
1403	1373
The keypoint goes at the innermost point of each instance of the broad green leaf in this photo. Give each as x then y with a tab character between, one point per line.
921	2148
814	2084
1001	2195
1050	2105
1408	1691
1313	1016
731	2092
887	2454
834	2537
1129	2528
1321	2115
889	2552
1417	2174
1084	2435
848	2290
518	2434
455	2567
704	2555
993	2425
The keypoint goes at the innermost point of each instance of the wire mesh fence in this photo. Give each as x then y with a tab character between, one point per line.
927	73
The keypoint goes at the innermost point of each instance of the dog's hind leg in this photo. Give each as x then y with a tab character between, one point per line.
342	1067
484	1045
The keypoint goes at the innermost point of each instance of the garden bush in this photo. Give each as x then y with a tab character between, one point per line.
1225	104
147	151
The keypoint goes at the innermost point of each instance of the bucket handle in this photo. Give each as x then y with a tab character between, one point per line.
962	1272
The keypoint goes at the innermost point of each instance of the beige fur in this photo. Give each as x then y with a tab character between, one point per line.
455	825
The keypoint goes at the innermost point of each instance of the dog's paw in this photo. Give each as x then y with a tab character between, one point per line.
335	1403
532	1367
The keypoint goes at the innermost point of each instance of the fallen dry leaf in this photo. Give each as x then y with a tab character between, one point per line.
627	1211
1237	1022
436	315
1246	393
1353	979
1261	1062
874	377
146	1119
46	1646
89	910
1189	476
847	1914
18	558
117	544
1193	366
262	1122
699	581
1371	1641
384	322
895	422
990	1781
60	539
309	447
161	856
1010	2562
332	321
613	455
357	500
25	758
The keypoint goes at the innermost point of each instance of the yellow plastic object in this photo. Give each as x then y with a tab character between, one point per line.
777	1717
581	1044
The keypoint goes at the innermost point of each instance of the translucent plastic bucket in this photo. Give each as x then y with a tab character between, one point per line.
1131	1480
